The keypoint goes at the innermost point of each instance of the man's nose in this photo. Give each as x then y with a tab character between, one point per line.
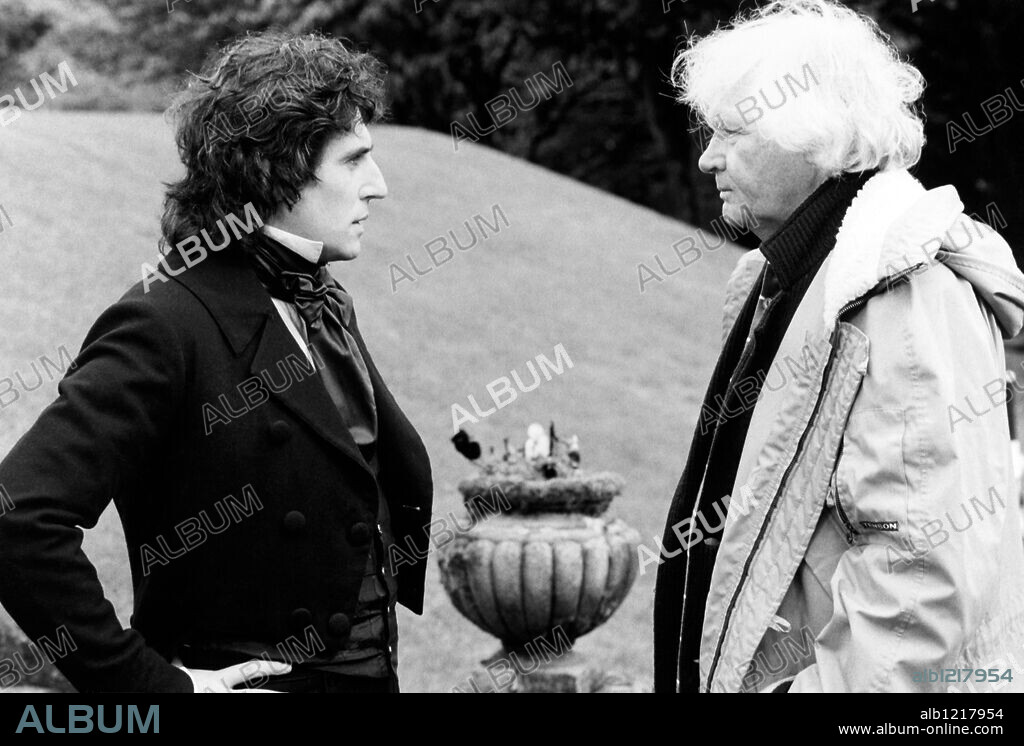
711	160
375	187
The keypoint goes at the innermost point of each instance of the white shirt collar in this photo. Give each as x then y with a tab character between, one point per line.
307	249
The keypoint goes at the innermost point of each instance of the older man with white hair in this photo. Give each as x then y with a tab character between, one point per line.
835	528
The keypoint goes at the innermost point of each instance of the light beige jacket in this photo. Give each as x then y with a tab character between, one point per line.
873	535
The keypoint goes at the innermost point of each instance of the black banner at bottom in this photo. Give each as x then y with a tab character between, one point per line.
281	716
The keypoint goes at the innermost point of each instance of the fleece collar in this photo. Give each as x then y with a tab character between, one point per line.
892	224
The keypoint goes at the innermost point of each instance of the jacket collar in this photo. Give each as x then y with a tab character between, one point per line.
227	286
893	224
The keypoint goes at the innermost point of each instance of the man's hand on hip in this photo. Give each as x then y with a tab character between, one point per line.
251	674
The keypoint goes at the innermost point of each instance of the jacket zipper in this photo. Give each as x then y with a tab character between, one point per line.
887	283
847	523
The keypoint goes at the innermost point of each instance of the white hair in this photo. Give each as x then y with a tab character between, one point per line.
855	108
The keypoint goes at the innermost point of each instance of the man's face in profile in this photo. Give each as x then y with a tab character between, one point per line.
756	175
334	207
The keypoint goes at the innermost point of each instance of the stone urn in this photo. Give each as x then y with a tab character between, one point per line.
547	566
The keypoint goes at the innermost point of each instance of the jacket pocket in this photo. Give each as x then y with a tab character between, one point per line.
835	507
872	493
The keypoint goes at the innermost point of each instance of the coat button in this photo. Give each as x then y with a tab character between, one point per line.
359	534
301	618
294	521
339	625
280	431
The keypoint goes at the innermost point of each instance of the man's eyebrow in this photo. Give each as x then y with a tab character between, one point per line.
356	152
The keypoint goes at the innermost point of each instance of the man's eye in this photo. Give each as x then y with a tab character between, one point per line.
706	134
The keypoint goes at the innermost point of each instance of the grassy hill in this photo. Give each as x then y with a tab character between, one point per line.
84	191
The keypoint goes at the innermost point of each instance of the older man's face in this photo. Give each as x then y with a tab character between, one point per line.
754	173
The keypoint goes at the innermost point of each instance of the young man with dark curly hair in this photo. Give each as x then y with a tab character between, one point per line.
227	404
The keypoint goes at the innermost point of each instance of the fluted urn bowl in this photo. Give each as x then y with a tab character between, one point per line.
523	577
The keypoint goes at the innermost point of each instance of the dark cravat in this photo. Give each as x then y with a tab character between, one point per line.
291	278
327	310
349	382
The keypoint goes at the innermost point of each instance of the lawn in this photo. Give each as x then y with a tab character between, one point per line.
84	192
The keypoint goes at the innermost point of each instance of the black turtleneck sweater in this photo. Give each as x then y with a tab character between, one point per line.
794	254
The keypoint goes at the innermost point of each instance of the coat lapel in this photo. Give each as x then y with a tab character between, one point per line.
226	285
298	386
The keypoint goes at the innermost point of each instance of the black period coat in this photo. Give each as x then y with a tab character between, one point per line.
247	508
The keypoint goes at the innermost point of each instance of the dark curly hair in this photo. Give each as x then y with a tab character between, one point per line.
251	127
